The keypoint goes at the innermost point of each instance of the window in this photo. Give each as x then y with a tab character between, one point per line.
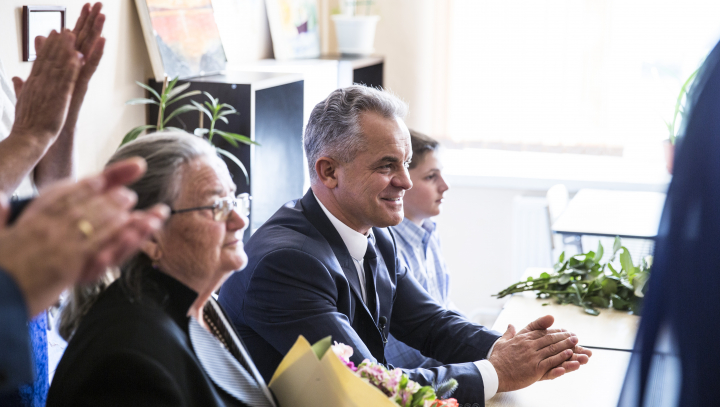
578	76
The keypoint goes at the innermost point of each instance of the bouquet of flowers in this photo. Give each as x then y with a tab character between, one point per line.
323	375
395	384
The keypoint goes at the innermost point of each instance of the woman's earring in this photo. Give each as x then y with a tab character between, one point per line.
155	264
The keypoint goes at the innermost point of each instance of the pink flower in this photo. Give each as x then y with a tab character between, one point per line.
344	352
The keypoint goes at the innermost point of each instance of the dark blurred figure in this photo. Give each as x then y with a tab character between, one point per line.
675	363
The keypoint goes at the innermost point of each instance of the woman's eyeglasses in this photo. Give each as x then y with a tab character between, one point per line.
222	208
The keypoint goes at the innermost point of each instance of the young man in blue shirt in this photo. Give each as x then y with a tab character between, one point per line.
418	242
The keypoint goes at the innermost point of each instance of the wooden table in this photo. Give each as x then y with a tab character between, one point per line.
632	214
611	329
597	384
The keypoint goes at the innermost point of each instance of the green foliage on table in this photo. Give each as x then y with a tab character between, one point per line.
167	97
679	107
584	281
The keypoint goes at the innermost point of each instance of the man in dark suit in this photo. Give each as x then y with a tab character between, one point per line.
326	265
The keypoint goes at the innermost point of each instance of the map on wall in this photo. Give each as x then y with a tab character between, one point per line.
294	28
182	37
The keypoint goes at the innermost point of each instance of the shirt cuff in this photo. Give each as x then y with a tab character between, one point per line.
491	349
489	377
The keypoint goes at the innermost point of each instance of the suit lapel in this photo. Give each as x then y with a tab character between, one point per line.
314	213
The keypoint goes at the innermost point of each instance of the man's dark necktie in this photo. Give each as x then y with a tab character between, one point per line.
370	265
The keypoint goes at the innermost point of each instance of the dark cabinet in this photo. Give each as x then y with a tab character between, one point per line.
270	112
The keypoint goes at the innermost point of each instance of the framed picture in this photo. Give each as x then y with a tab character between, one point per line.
244	30
182	38
40	20
294	28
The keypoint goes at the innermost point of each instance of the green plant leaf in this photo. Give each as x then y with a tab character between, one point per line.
591	311
322	346
201	132
609	286
598	253
626	261
141	101
202	108
227	138
184	95
180	110
227	109
171	93
235	160
134	133
636	306
619	303
227	113
238	137
562	257
224	119
616	245
639	281
170	87
599	301
149	89
446	388
213	101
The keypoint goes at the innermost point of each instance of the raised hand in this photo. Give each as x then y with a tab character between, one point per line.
57	162
73	231
535	353
44	99
89	43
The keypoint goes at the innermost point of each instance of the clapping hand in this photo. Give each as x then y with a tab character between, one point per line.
73	231
59	79
44	99
535	353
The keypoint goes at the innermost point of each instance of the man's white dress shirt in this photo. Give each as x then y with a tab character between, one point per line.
356	244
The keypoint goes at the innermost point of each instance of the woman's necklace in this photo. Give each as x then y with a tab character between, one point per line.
215	331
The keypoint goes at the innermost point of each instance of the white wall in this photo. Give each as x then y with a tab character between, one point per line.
476	231
405	37
104	118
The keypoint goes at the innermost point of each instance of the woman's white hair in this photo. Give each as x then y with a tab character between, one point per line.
165	153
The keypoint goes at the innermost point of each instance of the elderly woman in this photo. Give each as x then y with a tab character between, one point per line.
156	336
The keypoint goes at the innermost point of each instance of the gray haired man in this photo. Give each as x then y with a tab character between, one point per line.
326	264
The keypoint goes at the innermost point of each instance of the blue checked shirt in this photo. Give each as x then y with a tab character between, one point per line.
419	248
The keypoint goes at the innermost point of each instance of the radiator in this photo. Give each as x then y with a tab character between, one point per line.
531	239
530	235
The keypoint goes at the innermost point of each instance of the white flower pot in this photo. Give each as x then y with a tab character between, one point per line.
355	34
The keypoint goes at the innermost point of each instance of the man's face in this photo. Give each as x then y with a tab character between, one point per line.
370	188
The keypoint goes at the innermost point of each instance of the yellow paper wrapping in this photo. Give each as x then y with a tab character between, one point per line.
301	380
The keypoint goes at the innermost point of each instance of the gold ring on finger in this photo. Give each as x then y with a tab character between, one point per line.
86	227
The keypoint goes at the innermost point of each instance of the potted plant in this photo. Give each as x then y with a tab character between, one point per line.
674	124
355	27
213	109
